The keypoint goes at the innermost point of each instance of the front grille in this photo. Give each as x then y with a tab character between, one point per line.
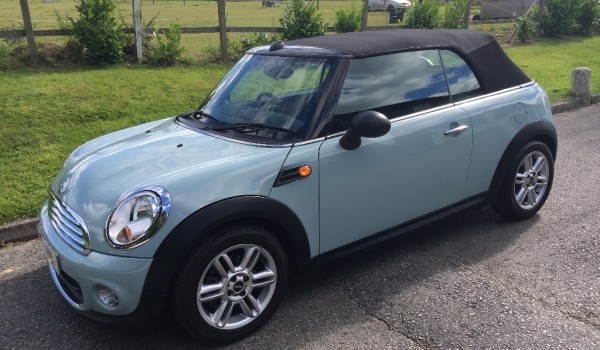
69	226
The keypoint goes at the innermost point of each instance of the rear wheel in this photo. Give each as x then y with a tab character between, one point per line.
231	285
527	182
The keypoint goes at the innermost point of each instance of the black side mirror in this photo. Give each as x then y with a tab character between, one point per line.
365	124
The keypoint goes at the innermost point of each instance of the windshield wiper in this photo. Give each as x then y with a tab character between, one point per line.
254	126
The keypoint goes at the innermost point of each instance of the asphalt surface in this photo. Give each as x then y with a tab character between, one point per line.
473	281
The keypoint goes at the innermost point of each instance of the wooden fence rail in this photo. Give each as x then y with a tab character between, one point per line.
187	30
20	33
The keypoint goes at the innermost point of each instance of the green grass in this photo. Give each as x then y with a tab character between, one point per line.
551	61
47	113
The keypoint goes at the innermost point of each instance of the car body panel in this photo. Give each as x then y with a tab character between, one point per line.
123	275
425	171
381	5
495	123
302	195
203	170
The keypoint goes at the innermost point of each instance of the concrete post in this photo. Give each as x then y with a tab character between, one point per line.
581	83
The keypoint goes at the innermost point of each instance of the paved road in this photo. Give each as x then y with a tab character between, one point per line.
473	281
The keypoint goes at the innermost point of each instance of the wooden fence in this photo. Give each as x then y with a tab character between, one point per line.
222	29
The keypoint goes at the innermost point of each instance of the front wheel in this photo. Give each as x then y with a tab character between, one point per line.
231	285
527	183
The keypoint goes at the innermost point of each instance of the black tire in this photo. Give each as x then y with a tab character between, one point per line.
527	182
249	304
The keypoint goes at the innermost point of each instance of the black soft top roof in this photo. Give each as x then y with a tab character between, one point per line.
481	51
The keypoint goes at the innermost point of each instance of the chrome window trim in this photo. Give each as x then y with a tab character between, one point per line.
457	104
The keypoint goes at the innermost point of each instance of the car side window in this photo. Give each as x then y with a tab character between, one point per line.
461	80
395	85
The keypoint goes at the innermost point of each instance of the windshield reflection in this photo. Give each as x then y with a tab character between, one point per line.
267	95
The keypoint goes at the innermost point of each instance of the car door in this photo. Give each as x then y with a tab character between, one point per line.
419	166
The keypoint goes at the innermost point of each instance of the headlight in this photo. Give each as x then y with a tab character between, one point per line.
137	217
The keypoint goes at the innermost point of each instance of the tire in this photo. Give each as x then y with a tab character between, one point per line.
231	284
527	182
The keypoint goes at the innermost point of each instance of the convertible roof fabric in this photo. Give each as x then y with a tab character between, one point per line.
493	68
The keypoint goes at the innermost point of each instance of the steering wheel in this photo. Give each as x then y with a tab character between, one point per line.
268	99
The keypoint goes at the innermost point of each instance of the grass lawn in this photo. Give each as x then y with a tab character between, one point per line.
551	61
47	113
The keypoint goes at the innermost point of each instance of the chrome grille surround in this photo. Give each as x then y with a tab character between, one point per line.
68	224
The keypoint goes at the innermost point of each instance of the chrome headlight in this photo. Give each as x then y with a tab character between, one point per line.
137	217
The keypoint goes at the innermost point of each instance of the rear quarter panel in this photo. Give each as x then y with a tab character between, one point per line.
496	119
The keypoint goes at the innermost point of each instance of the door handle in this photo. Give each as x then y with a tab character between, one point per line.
456	130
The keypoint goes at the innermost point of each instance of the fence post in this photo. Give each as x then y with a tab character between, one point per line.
467	14
540	17
222	30
137	28
28	27
365	15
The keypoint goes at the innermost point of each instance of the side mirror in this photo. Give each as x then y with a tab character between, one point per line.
365	124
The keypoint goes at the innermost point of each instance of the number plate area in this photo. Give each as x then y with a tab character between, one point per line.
50	255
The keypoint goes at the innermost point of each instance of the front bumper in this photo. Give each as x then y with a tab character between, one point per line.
78	276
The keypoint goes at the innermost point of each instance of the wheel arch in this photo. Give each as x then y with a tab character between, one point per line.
257	210
541	130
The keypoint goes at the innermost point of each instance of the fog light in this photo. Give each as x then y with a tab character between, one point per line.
108	297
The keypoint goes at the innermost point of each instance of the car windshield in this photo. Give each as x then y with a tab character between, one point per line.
267	97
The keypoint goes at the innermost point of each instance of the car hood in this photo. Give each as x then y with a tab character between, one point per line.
194	167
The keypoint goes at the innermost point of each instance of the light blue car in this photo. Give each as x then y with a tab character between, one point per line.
306	150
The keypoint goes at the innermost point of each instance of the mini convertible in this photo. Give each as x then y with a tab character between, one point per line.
306	150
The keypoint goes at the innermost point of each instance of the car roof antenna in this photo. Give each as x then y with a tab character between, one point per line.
278	45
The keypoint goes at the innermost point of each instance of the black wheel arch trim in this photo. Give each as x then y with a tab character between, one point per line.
189	233
542	130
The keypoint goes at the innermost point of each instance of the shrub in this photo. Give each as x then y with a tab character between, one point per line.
587	15
168	49
425	14
301	21
559	17
454	14
98	31
525	28
237	48
253	40
348	20
6	61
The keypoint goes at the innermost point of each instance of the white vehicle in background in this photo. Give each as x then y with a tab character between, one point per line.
399	6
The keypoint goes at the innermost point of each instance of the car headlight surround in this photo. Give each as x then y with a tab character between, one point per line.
137	217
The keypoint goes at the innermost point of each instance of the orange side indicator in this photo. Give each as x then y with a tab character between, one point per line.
304	171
